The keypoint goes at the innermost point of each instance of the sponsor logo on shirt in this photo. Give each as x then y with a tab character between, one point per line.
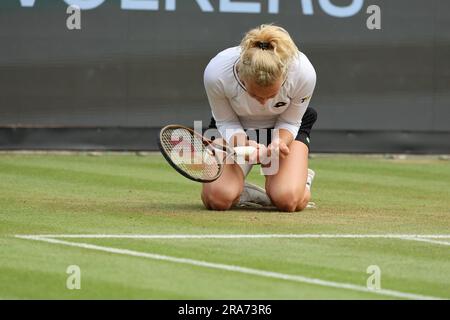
280	104
304	99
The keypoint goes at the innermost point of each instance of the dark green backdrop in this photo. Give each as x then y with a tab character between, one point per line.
377	90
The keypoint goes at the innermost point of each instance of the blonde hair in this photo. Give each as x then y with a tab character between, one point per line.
266	53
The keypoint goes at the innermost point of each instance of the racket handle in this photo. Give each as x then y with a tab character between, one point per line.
244	151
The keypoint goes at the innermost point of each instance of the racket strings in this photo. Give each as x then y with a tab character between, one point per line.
190	154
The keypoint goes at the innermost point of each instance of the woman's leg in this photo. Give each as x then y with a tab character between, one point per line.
287	189
223	193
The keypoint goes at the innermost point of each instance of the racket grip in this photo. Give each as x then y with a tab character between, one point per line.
244	151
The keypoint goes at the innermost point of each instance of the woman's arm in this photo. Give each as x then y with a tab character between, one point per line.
290	120
227	121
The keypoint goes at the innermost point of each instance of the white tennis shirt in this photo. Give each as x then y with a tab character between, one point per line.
235	110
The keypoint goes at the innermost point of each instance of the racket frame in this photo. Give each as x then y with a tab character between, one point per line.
207	143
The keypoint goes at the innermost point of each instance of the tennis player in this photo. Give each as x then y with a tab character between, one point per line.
265	83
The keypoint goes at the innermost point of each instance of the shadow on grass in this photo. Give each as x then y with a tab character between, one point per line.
180	208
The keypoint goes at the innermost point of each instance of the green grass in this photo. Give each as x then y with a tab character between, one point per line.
129	194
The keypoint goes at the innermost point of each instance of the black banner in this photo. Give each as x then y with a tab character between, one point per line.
382	65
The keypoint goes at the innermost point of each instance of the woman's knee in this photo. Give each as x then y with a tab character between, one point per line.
289	200
220	197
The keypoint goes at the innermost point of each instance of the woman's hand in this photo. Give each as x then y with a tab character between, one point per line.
259	154
262	153
278	147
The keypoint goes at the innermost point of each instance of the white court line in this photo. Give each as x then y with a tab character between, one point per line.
445	243
242	236
238	269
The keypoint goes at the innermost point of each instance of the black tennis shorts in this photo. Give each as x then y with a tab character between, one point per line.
304	133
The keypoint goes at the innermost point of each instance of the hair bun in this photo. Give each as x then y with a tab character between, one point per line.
266	53
263	45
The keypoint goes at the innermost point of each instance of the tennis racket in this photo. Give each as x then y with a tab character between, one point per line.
194	156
